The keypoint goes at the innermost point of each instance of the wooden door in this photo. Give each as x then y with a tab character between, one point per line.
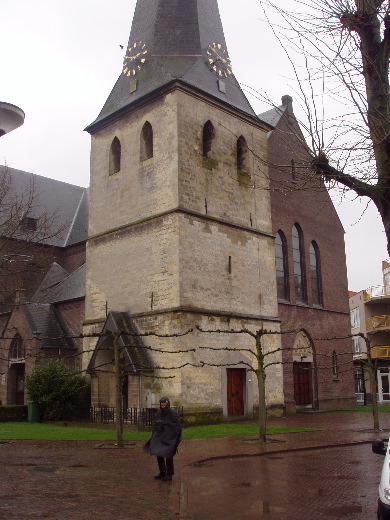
16	383
235	390
302	383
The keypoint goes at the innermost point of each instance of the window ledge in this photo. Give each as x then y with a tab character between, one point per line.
244	177
146	162
209	164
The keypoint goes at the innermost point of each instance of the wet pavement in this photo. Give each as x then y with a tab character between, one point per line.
328	474
314	484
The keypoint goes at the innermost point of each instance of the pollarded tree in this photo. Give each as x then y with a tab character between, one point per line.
345	45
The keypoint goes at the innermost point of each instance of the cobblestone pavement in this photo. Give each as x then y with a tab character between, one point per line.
328	474
321	484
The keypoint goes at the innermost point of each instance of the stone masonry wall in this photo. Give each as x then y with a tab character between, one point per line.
141	188
221	191
192	367
178	245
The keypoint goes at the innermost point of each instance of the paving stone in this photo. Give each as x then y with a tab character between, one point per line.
327	474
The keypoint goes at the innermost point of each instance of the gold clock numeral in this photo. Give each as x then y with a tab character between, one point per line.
135	58
218	60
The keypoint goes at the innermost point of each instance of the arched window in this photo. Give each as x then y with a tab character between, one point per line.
16	350
281	266
298	265
146	145
242	154
208	138
315	274
115	156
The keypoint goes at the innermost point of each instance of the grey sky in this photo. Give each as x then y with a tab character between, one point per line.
60	60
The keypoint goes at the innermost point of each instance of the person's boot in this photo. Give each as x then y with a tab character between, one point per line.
166	478
160	476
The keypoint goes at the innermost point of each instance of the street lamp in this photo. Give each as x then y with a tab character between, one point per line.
11	117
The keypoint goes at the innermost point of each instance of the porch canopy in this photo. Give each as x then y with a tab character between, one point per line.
133	354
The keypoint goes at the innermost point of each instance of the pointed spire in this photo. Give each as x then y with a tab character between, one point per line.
175	40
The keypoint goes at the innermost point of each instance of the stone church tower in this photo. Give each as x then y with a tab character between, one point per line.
179	228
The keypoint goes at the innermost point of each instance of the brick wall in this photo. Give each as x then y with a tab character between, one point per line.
306	202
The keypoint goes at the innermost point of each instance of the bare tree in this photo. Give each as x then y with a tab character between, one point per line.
263	357
339	51
26	232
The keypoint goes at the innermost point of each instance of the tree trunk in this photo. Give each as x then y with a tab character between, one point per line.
374	386
371	366
260	373
118	393
262	407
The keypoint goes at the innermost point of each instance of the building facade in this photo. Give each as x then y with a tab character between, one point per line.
311	272
175	221
370	316
42	276
199	235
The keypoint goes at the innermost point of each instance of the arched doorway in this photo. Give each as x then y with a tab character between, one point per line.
237	386
16	371
16	383
303	370
235	391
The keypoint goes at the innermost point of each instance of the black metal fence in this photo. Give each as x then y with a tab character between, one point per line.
13	413
107	415
143	417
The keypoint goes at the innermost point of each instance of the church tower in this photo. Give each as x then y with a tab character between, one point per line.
179	227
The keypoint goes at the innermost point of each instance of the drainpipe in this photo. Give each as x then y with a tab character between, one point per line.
140	390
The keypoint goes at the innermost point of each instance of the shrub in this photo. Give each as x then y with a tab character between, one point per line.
55	388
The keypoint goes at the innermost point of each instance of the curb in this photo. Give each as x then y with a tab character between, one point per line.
180	504
273	452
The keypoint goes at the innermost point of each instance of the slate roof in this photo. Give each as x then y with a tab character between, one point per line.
133	349
44	319
177	34
58	286
273	116
66	203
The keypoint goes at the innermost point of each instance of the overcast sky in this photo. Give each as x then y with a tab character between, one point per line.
59	61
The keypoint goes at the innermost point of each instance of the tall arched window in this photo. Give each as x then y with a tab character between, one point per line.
242	154
115	156
298	265
208	138
146	144
281	266
315	274
16	350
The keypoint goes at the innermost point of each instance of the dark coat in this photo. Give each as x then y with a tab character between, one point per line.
166	434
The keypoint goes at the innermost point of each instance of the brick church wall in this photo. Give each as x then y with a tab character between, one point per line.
311	208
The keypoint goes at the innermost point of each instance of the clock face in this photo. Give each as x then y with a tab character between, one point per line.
218	60
135	57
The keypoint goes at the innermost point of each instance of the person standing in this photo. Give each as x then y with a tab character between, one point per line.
166	437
